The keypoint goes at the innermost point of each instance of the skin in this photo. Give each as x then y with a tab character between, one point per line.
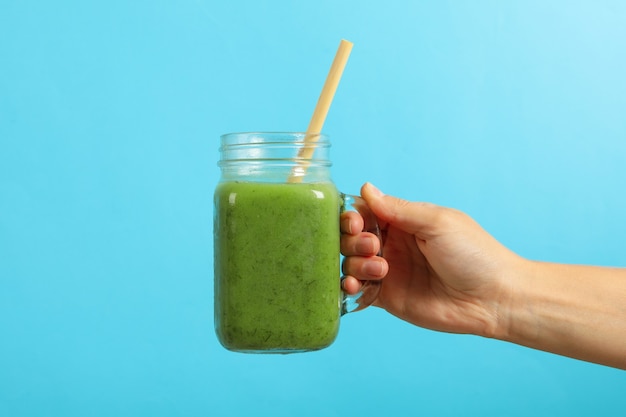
442	271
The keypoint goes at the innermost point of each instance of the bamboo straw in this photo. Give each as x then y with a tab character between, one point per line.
321	110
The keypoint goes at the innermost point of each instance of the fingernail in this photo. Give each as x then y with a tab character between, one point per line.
346	226
375	190
365	246
374	268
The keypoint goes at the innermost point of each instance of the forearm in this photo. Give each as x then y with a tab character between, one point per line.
572	310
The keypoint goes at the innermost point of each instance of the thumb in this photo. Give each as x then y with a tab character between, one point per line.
411	217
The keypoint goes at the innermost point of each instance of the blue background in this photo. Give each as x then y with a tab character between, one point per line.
110	113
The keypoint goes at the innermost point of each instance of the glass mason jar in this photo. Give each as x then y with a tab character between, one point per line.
276	244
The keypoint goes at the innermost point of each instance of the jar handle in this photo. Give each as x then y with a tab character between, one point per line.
370	288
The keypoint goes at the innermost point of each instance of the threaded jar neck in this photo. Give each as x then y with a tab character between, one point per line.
274	156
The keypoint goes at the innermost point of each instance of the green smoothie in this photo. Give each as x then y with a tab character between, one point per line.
276	266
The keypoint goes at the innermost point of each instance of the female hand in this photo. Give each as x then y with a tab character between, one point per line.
440	269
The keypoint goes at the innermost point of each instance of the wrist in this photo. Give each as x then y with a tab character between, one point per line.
513	313
570	310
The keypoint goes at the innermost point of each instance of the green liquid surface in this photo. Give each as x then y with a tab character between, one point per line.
276	266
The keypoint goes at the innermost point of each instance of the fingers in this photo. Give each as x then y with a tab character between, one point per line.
360	256
351	222
360	249
358	269
422	219
351	285
362	244
365	268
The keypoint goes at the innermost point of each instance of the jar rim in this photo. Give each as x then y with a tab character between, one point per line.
277	135
274	155
273	132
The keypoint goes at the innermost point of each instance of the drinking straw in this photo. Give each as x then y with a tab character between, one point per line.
321	110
